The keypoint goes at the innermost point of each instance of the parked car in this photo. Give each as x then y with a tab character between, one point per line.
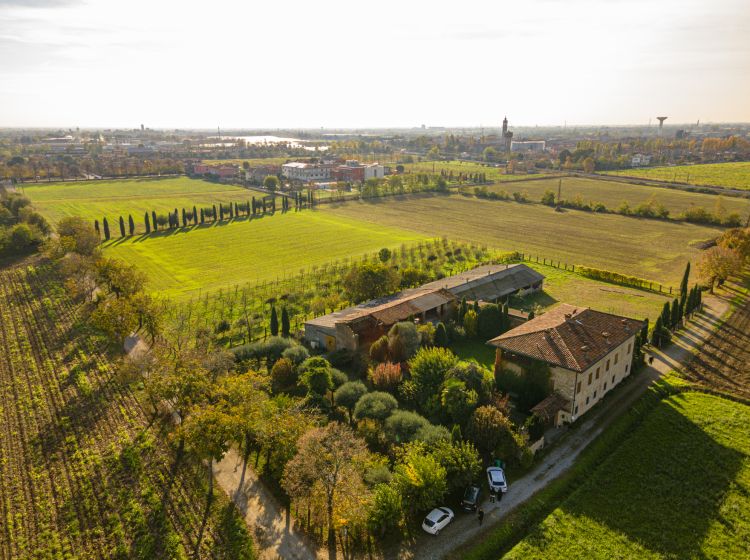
471	498
496	478
437	519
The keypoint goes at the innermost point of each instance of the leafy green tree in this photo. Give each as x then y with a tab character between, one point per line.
428	369
457	401
271	183
403	426
370	281
470	323
283	376
348	395
461	462
317	380
548	198
488	428
384	255
420	479
379	350
535	384
331	458
386	511
403	341
377	406
489	321
76	235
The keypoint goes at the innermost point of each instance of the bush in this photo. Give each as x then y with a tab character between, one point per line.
376	406
369	281
535	426
296	354
379	349
283	376
489	322
386	376
441	336
403	341
403	426
348	394
470	323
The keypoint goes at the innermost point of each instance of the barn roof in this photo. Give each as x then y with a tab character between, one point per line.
571	337
489	282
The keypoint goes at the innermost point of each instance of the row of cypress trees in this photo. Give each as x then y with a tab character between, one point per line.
672	315
274	323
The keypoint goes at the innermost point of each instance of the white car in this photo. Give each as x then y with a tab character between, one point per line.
437	519
496	478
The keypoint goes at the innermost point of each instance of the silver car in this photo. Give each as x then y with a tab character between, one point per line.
437	519
496	478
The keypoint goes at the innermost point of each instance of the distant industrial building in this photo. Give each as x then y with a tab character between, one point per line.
305	172
351	171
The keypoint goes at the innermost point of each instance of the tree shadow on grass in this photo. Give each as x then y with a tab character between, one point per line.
664	488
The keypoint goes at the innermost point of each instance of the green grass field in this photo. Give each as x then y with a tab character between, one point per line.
612	194
181	262
493	173
651	249
97	199
678	487
734	174
561	286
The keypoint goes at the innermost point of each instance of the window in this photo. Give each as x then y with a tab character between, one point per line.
575	411
605	385
613	380
629	348
579	387
594	394
597	372
590	374
626	367
607	365
587	400
616	356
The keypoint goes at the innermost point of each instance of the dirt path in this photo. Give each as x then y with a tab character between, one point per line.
465	528
272	525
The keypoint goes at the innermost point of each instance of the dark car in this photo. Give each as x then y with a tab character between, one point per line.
471	498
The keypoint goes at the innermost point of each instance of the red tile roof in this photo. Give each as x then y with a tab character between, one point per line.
571	337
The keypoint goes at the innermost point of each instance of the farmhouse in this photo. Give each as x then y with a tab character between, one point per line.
492	282
588	352
358	327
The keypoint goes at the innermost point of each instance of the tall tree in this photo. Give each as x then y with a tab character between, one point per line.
285	327
96	228
153	220
122	227
147	222
332	460
274	323
131	225
685	279
105	224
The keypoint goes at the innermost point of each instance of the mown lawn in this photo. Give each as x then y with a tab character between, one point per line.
492	173
733	174
97	199
652	249
612	194
181	262
678	487
562	286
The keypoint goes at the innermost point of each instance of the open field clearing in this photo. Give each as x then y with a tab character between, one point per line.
675	488
85	472
97	199
493	173
184	261
734	174
561	286
612	194
652	249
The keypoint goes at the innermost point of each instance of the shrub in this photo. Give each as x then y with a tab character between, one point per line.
283	376
428	370
386	376
470	323
296	354
403	425
376	406
535	426
403	341
348	394
441	336
379	349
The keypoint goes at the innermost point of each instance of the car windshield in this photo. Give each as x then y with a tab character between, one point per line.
442	518
496	476
429	522
470	493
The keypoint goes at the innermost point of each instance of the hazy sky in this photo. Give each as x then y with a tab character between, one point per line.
330	63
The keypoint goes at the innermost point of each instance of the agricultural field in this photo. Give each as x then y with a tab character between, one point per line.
85	472
675	488
493	173
735	175
652	249
112	199
180	263
254	161
561	286
612	194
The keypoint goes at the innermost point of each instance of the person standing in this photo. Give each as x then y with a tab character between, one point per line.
492	496
480	516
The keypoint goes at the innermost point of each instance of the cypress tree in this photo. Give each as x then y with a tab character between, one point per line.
221	212
153	220
441	336
253	206
146	222
656	333
644	330
284	323
274	326
462	309
476	307
685	277
666	315
675	318
122	227
214	214
195	216
131	224
184	218
203	216
105	223
96	228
